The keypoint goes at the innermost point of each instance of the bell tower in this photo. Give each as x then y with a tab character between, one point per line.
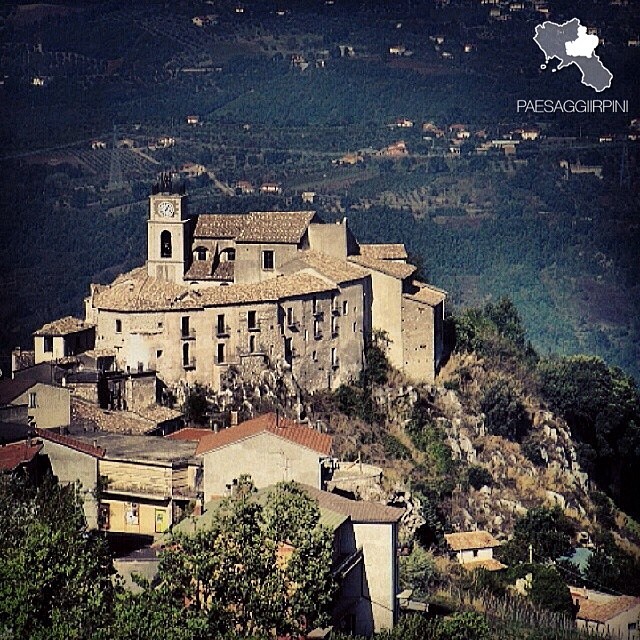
167	232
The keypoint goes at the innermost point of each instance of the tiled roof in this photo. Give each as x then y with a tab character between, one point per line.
203	270
427	294
275	226
334	269
400	270
62	327
13	455
470	540
268	423
72	443
490	564
604	611
190	433
158	413
90	417
359	510
383	251
136	291
219	225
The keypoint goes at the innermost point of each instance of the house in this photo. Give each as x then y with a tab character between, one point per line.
474	549
607	615
365	538
193	120
20	457
98	144
269	448
193	169
244	187
270	188
395	150
130	484
65	337
308	197
48	405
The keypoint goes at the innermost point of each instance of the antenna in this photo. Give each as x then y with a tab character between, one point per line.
116	182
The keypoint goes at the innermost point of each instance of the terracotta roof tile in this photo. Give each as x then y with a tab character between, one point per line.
470	540
275	226
219	225
72	443
400	270
88	416
384	251
334	269
605	611
190	433
490	564
203	270
427	294
136	291
13	455
62	327
268	423
359	510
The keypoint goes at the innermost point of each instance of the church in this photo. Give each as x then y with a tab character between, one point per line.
258	291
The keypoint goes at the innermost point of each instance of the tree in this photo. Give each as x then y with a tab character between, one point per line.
196	405
417	571
55	575
464	626
548	590
505	413
258	567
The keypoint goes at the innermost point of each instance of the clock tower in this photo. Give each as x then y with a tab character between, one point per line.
167	232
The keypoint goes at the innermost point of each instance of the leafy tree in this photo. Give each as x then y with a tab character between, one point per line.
55	575
506	415
479	477
548	590
418	571
548	531
464	626
507	320
196	405
257	568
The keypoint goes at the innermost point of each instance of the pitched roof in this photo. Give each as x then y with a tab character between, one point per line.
136	291
62	327
203	270
427	294
470	540
13	455
72	443
603	611
11	389
219	225
190	434
384	251
490	564
275	226
90	417
359	511
400	270
334	269
268	423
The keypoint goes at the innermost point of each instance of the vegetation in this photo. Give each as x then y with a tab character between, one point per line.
505	412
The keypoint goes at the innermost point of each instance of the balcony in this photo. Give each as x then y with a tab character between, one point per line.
188	334
336	363
189	364
293	324
335	310
335	332
318	314
255	327
317	335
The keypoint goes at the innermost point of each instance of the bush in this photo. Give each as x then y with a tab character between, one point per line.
505	413
479	477
393	448
464	626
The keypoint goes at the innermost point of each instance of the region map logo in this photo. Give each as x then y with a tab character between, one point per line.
571	44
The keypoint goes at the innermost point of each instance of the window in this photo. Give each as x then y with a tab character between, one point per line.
161	520
227	255
290	316
334	357
306	335
252	322
345	307
165	244
32	400
185	354
118	326
184	325
314	305
252	344
220	326
48	344
355	327
317	334
268	260
201	253
159	353
220	353
314	356
131	513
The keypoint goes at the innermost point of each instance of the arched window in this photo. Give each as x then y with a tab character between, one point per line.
228	255
165	244
201	253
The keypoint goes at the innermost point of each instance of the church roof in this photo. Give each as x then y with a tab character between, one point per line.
399	270
286	227
203	270
383	251
335	269
275	226
219	225
137	291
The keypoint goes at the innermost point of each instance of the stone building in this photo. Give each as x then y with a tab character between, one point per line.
261	291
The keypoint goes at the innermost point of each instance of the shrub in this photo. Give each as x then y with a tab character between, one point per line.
478	477
393	448
505	413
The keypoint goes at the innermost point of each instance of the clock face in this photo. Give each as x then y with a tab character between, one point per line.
166	208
